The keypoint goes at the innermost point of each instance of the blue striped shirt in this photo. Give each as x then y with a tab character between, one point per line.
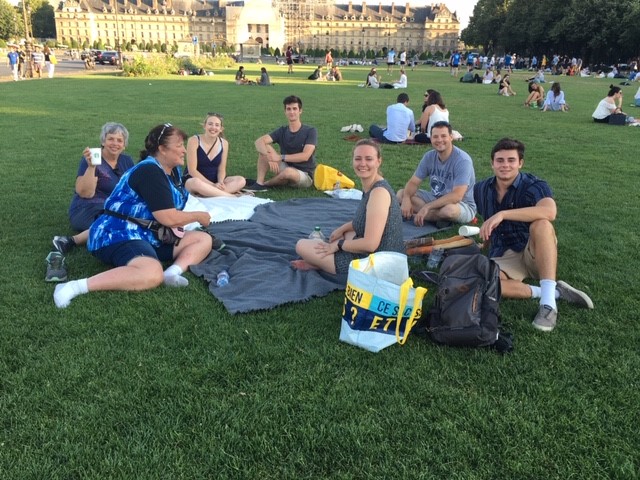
526	191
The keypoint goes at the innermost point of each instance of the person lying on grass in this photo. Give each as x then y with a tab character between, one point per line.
150	191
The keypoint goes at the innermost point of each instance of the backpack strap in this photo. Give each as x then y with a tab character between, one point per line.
141	222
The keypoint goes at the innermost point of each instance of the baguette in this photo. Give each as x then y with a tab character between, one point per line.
446	244
418	242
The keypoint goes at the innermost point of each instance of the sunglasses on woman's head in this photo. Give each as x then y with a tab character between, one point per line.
164	127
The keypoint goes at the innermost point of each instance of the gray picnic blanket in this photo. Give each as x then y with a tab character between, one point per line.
258	252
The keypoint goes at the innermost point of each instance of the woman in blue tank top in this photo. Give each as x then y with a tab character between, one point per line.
206	174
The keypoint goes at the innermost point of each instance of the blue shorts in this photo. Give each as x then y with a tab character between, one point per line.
82	218
120	254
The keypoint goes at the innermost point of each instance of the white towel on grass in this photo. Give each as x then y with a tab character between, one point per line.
223	208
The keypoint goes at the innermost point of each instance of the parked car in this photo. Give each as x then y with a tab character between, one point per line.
109	56
96	55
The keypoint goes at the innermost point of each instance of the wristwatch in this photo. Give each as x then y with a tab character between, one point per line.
340	243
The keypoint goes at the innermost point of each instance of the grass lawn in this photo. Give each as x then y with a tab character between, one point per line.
167	384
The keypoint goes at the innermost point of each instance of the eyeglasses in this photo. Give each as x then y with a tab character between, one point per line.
215	114
164	127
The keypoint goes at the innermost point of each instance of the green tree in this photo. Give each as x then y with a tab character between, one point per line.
485	25
596	30
9	21
42	19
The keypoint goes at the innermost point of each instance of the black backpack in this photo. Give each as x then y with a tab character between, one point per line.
466	311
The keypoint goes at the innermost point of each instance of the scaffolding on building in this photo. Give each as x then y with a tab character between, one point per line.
298	15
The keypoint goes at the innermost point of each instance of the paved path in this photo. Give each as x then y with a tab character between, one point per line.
65	67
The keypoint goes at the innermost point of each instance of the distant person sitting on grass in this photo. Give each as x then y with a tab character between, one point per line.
402	81
504	87
488	77
609	105
151	191
295	164
317	74
555	99
376	226
373	80
518	210
94	183
470	77
334	75
537	78
536	96
241	78
264	80
400	122
434	110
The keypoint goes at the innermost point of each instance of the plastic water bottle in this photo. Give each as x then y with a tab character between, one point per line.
435	257
222	279
317	234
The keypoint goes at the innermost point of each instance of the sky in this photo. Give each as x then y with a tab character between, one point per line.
464	8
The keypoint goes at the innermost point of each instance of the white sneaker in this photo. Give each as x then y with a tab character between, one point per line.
359	128
346	129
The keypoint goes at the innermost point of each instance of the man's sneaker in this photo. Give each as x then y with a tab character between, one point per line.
63	244
56	269
573	295
545	318
256	187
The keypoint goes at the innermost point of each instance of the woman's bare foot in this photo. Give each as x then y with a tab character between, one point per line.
302	265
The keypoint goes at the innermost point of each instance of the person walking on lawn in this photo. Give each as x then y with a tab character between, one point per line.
518	210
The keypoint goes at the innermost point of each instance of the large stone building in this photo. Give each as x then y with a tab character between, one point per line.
303	24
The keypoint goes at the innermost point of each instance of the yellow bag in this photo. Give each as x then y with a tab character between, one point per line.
52	59
326	177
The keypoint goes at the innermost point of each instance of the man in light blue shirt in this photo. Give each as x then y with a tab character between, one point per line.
400	121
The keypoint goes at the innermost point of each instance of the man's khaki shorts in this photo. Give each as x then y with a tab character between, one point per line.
518	265
304	179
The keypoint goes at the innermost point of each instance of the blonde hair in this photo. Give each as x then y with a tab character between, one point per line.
219	116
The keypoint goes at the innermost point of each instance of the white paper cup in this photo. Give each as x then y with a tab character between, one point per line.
96	156
467	231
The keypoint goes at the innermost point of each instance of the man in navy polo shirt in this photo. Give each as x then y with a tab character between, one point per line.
519	210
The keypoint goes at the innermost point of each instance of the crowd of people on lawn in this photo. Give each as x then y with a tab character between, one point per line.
119	208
